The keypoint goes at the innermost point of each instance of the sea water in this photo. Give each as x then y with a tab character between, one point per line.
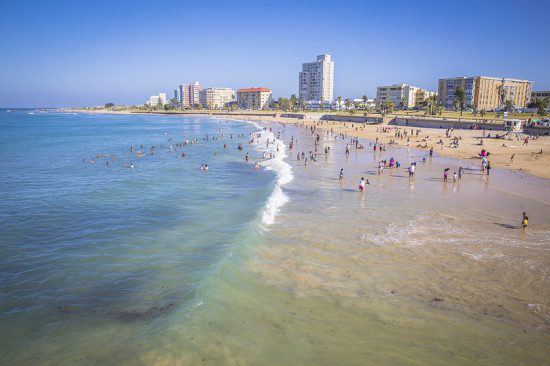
92	235
165	264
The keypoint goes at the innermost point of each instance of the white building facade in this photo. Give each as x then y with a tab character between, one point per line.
403	96
316	80
216	98
157	100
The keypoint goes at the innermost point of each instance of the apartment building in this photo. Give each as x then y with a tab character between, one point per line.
254	98
216	98
403	96
316	80
485	93
189	94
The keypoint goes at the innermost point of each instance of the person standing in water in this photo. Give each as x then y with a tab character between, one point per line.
341	174
362	184
524	221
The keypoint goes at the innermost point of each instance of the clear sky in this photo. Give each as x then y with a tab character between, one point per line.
79	53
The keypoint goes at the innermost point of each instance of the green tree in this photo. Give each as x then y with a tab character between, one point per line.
293	102
509	105
403	102
542	105
460	99
365	99
109	105
339	100
347	103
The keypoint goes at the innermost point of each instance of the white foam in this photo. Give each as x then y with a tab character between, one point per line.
277	164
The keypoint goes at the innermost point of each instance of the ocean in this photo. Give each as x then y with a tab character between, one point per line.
150	260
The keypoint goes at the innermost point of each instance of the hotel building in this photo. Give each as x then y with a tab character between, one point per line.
412	96
316	80
216	98
189	94
254	98
485	93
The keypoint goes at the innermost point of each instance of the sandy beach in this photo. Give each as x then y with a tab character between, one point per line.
527	158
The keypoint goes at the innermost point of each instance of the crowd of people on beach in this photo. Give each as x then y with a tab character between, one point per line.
312	154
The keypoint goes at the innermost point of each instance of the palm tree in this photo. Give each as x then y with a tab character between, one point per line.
509	105
347	103
339	100
293	102
460	99
403	102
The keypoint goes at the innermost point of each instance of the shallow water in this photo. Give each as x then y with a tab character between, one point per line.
164	264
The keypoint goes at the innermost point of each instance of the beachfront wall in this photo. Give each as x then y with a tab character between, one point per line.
357	119
537	131
293	115
445	123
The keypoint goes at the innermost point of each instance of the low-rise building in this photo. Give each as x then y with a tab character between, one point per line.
216	98
254	98
403	96
541	94
485	93
157	100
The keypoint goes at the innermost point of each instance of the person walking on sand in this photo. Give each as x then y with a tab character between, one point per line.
524	221
445	174
341	174
512	158
460	172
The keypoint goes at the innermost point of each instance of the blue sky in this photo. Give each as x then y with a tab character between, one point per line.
66	53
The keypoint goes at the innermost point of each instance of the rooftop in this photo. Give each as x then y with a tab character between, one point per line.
253	90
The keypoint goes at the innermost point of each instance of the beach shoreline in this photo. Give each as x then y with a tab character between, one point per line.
527	159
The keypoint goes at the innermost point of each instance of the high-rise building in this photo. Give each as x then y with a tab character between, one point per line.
215	98
485	93
316	80
189	94
254	98
402	95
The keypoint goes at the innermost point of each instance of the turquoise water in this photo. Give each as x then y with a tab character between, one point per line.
86	243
